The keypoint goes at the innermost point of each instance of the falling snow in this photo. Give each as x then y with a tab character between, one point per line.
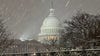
26	16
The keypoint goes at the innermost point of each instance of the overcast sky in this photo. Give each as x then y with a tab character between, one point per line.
24	17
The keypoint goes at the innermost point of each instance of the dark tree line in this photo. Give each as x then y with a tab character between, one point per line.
82	30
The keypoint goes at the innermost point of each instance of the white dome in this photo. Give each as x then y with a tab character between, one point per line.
51	21
51	25
51	28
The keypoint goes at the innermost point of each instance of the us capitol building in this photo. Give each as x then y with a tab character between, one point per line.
51	28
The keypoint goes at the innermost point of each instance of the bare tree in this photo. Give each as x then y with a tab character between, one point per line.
82	29
4	37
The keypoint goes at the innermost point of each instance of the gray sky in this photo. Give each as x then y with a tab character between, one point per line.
26	16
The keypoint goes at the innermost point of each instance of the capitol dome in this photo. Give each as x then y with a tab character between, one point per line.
51	20
51	27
